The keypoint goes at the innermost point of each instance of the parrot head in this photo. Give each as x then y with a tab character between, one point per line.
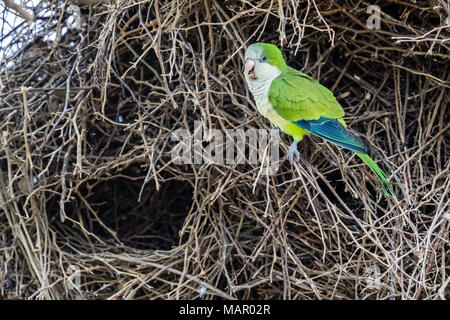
263	61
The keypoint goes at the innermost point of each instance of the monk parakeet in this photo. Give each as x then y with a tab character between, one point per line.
298	105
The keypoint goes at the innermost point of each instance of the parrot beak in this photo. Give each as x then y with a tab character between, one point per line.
249	69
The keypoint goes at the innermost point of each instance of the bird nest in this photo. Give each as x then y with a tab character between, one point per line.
93	205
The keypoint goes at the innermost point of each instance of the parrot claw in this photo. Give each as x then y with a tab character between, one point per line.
293	152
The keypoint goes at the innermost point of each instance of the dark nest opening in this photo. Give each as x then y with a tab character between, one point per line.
119	211
91	93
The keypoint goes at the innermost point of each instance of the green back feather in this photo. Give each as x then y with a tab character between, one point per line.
297	96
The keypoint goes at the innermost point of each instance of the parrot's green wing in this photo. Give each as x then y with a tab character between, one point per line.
297	96
305	102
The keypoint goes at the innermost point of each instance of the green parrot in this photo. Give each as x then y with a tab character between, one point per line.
298	105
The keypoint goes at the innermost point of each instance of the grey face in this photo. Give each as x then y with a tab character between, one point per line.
256	66
254	53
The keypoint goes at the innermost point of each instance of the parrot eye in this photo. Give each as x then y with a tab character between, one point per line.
263	59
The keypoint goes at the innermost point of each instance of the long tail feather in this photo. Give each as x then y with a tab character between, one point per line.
387	187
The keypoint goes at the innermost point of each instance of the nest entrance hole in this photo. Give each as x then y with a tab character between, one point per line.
153	222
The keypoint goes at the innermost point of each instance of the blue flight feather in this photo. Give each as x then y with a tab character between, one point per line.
335	132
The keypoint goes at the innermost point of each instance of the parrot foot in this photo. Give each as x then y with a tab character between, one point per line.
293	152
